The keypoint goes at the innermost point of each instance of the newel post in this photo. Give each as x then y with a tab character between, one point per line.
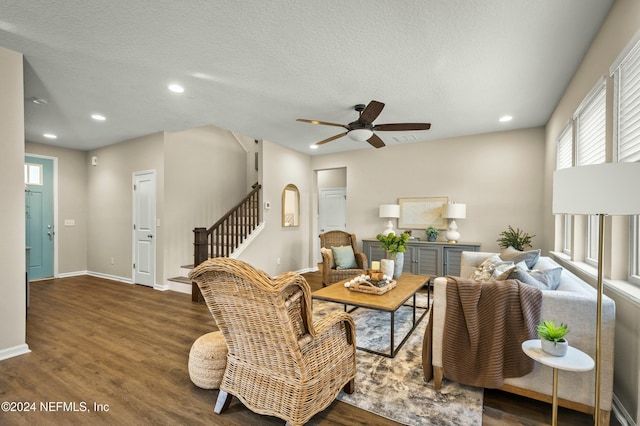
200	254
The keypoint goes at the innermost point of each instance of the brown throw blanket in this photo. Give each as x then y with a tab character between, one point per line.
485	326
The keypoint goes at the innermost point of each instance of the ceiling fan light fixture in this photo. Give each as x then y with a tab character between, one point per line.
360	135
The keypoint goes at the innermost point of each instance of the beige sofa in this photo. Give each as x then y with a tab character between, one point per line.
573	303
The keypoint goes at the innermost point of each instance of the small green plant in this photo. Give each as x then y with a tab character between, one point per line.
515	238
393	243
549	331
432	233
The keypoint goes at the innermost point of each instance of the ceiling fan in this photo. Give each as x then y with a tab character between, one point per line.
363	128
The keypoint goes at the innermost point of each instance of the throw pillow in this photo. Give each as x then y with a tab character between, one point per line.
544	280
344	257
329	253
502	272
486	269
516	256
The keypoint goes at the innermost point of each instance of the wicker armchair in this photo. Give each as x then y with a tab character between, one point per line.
330	274
279	362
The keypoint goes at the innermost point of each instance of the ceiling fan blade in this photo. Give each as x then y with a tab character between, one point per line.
371	112
331	138
375	141
326	123
402	126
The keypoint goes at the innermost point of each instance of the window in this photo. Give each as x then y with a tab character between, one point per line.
564	159
33	174
590	149
626	79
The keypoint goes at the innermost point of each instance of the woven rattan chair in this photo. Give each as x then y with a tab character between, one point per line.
330	274
279	362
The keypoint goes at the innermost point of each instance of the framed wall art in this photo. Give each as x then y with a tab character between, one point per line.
420	213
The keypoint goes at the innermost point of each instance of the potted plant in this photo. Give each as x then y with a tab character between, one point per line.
432	233
552	338
395	245
514	238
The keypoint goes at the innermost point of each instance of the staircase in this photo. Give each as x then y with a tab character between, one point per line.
225	237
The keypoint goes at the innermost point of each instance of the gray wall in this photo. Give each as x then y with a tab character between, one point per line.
498	176
622	23
12	223
72	204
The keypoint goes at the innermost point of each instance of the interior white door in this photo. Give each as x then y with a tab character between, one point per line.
144	227
333	209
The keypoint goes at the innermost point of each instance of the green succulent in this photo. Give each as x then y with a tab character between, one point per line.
549	331
432	232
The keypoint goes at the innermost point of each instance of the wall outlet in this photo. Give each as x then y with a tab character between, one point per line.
113	261
277	261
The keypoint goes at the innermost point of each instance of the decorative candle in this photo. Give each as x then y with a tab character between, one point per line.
375	265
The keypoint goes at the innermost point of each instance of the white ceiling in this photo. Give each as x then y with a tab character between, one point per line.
254	66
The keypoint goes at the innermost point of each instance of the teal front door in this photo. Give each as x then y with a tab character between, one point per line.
40	232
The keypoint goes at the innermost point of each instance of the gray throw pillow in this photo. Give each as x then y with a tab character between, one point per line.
544	280
529	257
344	257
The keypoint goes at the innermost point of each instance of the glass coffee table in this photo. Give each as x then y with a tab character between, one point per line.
406	287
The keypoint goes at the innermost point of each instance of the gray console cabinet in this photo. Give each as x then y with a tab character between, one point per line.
424	258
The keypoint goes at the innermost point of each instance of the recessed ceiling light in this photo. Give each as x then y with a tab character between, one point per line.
313	146
98	117
505	118
50	136
176	88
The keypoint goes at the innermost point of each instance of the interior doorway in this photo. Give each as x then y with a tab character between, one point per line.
144	228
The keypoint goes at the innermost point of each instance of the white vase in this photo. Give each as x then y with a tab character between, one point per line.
386	265
398	262
553	348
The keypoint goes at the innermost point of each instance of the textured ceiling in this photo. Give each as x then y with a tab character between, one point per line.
254	66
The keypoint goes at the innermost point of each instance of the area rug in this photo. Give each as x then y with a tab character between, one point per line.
394	387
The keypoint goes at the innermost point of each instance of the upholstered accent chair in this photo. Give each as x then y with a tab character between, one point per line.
332	271
279	363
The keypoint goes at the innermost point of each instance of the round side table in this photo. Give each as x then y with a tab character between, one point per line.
574	360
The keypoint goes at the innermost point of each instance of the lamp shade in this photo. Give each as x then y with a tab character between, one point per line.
597	189
390	210
454	211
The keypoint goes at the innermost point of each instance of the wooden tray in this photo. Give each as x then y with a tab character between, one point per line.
368	287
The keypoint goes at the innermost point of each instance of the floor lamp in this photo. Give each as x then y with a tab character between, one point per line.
594	190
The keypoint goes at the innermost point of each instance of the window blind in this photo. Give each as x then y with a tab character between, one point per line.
564	156
627	80
591	126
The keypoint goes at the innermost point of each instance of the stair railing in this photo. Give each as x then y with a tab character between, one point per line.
224	236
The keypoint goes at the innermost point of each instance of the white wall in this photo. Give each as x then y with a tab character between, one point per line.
205	176
620	26
12	223
282	166
498	175
72	204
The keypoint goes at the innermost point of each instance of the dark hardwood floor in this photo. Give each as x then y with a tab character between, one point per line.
104	352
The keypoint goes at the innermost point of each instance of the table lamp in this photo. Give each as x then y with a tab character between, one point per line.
389	211
594	190
454	211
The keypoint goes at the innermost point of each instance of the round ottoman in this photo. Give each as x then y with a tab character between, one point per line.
208	360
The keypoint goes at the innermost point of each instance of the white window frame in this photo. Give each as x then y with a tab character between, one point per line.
564	159
591	131
626	131
29	168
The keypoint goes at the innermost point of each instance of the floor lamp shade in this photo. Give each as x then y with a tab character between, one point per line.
596	189
389	211
599	189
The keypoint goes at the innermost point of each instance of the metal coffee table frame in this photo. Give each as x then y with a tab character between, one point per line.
407	286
